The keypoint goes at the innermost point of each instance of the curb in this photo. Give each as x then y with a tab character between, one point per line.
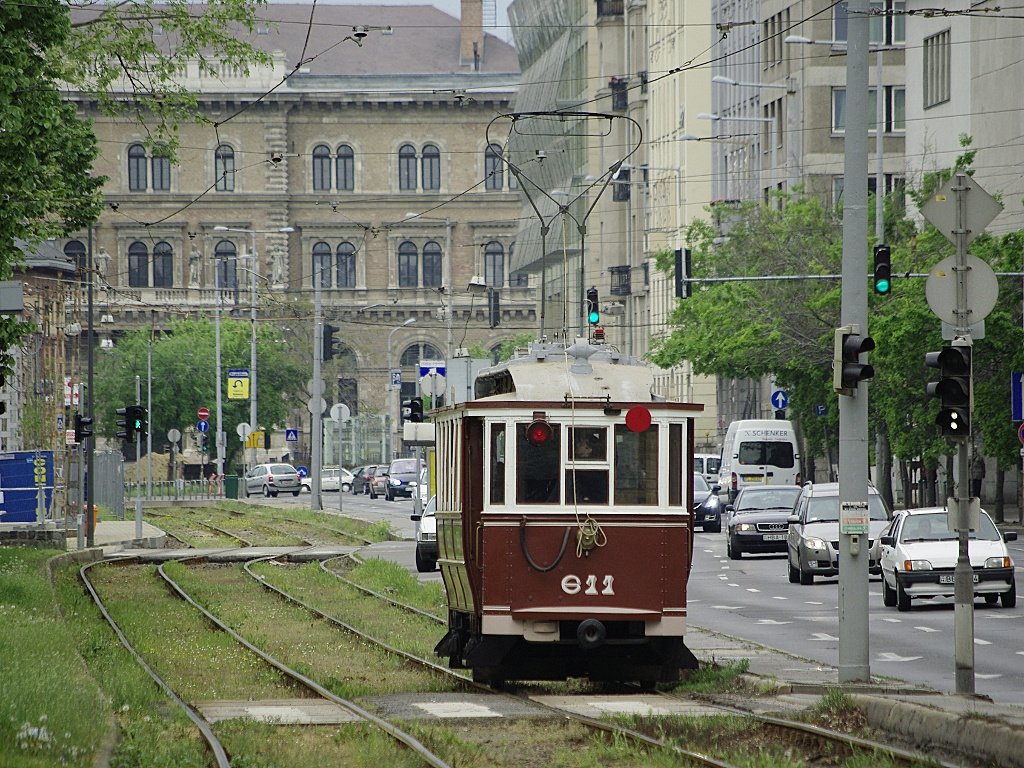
965	735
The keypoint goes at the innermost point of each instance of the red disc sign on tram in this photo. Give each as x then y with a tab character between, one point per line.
204	413
638	419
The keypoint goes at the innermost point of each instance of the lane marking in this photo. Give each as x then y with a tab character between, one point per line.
752	589
732	584
896	657
824	636
773	622
727	607
928	629
979	641
986	677
779	597
813	602
892	620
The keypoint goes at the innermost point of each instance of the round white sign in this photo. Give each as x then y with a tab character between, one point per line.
340	412
173	435
243	430
982	290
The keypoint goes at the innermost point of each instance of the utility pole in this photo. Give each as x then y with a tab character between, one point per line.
853	409
138	466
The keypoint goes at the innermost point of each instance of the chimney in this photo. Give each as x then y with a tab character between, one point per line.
471	40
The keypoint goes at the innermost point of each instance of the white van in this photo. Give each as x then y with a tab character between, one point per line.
759	452
708	464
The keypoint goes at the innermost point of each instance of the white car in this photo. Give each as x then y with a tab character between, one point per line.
426	537
918	554
331	479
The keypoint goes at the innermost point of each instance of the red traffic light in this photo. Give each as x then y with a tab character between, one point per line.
538	433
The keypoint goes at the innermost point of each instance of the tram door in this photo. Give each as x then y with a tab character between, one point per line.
473	495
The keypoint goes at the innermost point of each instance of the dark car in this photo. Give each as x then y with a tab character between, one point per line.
758	521
361	477
707	508
813	539
403	478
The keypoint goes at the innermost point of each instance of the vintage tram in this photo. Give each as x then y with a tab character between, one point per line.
564	525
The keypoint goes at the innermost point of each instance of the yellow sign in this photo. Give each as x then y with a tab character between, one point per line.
255	439
238	385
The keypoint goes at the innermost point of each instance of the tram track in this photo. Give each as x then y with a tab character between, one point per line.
794	729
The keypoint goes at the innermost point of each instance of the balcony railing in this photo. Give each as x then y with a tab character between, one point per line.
621	280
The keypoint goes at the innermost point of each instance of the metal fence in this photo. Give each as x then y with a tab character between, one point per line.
173	490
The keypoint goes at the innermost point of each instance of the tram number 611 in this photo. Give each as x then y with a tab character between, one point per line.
572	585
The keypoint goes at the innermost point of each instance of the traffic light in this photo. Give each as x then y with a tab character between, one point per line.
204	442
593	313
416	410
847	370
494	305
684	266
331	346
137	419
883	269
954	388
83	428
125	431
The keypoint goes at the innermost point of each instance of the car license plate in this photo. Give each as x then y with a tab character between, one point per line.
774	537
753	478
949	578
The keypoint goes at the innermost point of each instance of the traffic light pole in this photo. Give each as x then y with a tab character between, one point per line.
853	409
138	466
317	424
963	574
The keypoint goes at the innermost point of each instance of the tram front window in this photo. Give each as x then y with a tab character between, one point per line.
636	465
537	467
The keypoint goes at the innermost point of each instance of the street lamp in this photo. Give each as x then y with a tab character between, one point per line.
252	346
840	46
769	120
392	411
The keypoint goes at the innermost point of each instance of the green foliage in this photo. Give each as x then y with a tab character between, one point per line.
129	57
184	365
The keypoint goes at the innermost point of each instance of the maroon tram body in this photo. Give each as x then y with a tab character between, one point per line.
564	520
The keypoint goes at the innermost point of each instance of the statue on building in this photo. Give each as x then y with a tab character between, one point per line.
277	267
102	263
195	267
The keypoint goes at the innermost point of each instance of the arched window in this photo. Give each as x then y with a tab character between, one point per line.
163	265
227	264
494	264
321	168
137	178
416	352
431	167
346	265
75	253
432	265
322	264
407	168
138	265
408	274
224	168
161	169
494	169
346	168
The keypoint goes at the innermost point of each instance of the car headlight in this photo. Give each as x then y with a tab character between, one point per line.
916	565
396	482
813	543
746	527
998	562
711	502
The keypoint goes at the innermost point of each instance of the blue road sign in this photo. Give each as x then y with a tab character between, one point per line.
820	409
203	426
1017	396
291	435
779	399
302	471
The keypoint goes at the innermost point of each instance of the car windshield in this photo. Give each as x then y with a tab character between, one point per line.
279	468
758	499
932	527
699	483
404	466
825	509
766	452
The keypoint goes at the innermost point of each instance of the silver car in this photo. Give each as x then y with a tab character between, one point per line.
331	479
271	479
813	542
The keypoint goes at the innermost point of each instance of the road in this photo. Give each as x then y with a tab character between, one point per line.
753	599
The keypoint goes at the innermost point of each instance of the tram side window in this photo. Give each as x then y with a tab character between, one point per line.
675	465
588	444
636	465
538	467
497	464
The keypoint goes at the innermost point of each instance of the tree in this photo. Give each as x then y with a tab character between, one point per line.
45	151
184	362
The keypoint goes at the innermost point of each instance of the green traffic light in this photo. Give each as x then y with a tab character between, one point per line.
594	317
882	285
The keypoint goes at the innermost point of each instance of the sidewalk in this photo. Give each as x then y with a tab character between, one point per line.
781	683
113	533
